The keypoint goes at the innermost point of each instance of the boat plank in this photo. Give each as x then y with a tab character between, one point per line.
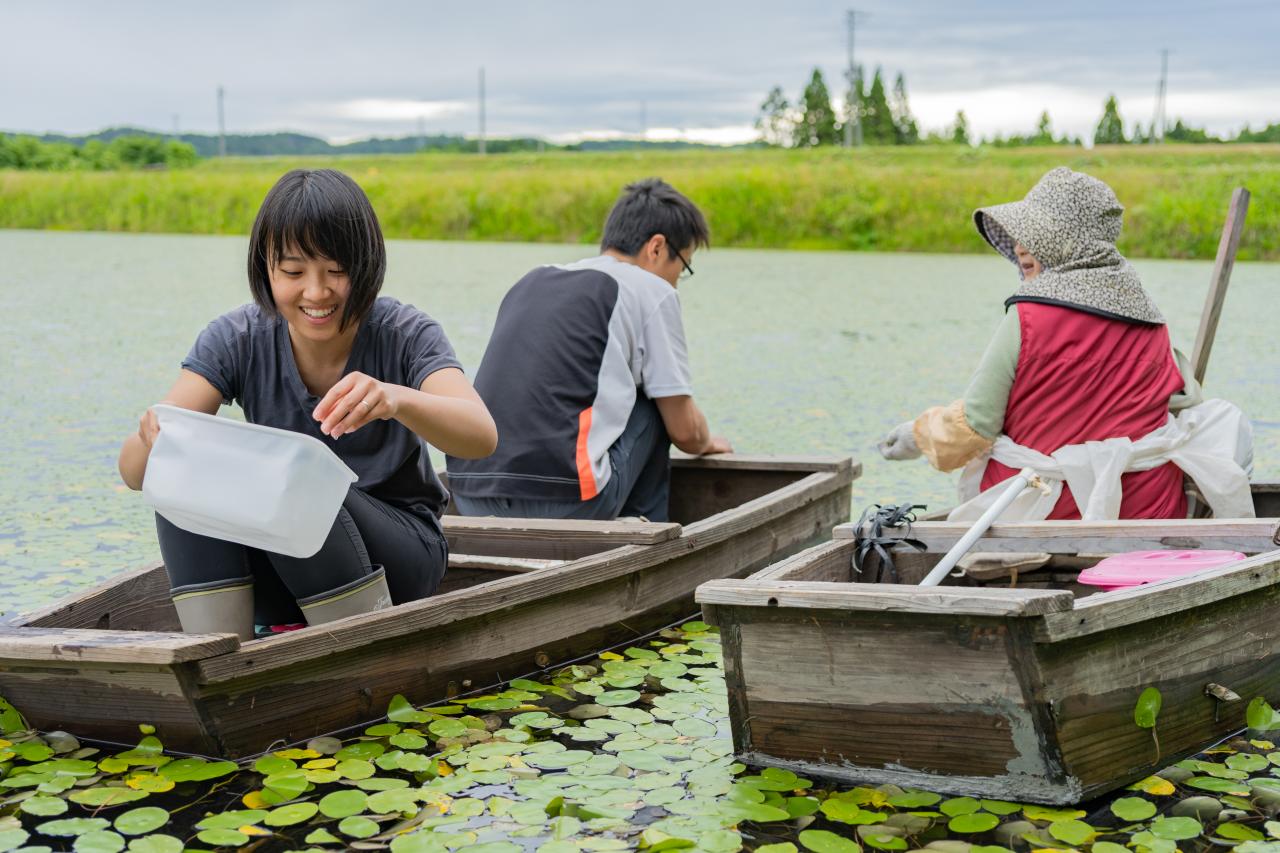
489	646
969	601
131	601
1107	610
754	462
120	647
553	585
1102	537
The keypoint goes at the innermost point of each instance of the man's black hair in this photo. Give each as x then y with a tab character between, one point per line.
650	207
323	214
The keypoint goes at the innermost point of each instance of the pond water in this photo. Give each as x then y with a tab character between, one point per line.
793	352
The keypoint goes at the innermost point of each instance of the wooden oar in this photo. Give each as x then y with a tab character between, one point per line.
1226	259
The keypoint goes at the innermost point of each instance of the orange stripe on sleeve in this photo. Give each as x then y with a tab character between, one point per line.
586	480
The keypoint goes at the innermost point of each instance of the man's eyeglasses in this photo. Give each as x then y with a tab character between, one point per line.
688	270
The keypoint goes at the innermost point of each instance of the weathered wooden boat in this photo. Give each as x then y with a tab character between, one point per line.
520	595
1014	685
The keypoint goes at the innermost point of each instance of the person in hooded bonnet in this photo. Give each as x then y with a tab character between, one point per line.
1082	356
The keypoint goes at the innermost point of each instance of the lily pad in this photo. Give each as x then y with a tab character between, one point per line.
156	844
358	827
1133	808
1073	832
99	841
611	698
44	806
142	820
223	837
822	841
1176	828
973	822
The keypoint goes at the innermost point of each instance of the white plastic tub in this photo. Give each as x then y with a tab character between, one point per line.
259	486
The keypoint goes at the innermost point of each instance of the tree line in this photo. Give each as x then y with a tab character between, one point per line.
122	152
883	117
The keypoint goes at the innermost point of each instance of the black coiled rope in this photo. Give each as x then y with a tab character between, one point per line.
869	536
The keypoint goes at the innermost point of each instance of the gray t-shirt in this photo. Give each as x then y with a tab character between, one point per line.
247	356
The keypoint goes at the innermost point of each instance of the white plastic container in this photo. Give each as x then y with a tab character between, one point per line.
259	486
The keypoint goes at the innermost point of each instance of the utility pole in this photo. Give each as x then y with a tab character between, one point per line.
1158	120
481	144
222	127
853	121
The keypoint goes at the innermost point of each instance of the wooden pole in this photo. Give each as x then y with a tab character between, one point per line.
1227	248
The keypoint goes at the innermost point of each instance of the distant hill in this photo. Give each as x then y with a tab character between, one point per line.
286	144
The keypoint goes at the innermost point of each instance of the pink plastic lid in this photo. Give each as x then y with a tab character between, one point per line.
1138	567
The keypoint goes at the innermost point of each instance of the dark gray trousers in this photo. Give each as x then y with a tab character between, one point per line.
367	532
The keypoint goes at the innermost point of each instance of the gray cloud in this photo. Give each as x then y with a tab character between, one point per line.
557	67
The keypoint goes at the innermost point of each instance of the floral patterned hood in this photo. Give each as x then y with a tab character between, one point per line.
1069	222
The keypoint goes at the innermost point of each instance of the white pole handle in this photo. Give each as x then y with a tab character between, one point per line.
1025	479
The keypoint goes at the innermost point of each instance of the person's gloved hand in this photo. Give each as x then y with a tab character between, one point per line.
900	443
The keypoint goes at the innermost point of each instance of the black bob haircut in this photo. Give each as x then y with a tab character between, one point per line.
650	207
323	214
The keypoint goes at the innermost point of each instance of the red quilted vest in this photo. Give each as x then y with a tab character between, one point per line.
1082	377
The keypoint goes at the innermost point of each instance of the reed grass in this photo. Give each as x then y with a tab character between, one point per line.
916	199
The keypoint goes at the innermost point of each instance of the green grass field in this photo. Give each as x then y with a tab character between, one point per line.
884	199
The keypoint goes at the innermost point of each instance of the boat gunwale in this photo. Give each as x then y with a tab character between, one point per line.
1090	614
525	588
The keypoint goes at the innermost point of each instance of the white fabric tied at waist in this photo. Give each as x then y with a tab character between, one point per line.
1211	442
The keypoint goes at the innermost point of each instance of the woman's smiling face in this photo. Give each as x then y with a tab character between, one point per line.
310	293
1027	263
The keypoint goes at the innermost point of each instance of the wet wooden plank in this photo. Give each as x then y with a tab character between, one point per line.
1251	536
1106	610
758	462
813	595
120	647
136	600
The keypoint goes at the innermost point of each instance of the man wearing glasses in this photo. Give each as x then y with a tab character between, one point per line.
587	375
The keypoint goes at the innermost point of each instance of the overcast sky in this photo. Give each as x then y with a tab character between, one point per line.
565	69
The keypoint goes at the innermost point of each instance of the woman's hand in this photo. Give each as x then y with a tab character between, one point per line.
355	400
900	444
148	429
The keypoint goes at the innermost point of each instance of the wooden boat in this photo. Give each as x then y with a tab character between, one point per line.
520	595
1012	685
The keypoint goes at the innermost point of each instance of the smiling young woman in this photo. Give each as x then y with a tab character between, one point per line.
321	353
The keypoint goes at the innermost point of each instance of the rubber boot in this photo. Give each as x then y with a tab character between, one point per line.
220	607
365	595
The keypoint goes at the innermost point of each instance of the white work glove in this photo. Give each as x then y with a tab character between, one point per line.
900	443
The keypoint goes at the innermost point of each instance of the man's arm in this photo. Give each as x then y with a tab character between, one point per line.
687	426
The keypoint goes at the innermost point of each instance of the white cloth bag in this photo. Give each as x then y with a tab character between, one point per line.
259	486
1211	442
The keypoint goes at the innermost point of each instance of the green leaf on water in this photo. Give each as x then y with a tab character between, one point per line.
973	822
322	836
232	819
914	799
44	806
957	806
1108	847
1148	708
197	769
156	844
1261	716
447	728
1221	786
106	796
395	800
358	827
1133	808
801	806
363	749
885	841
291	814
140	821
223	837
611	698
493	703
821	841
1248	762
1073	832
999	807
784	847
1176	828
400	710
11	839
1050	814
340	804
1237	832
99	841
70	826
